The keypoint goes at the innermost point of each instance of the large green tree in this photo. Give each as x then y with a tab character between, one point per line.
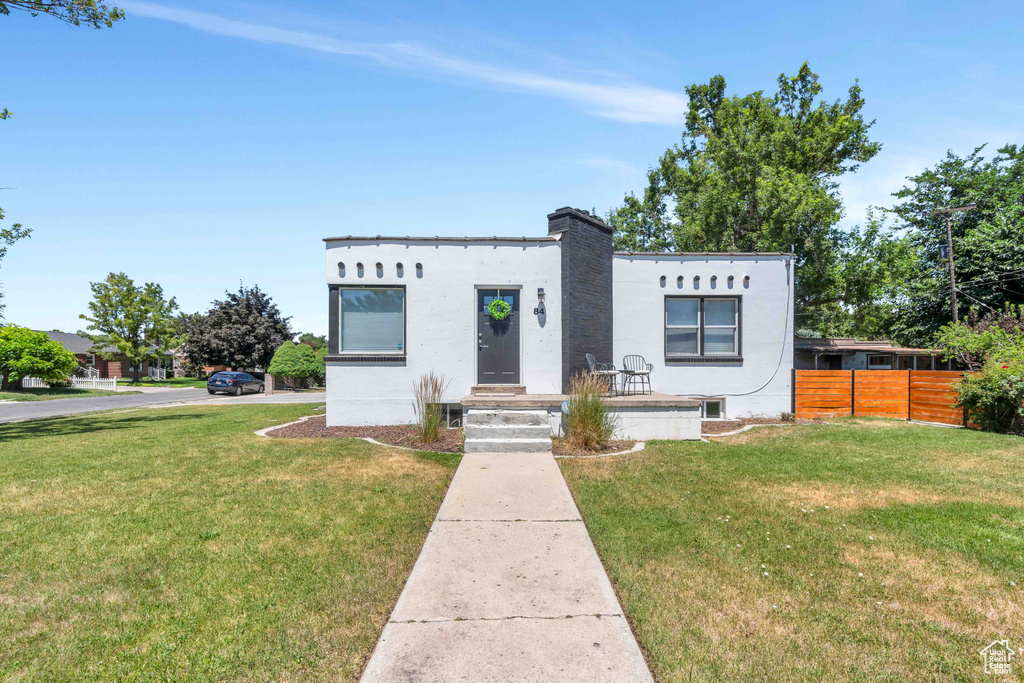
135	320
242	332
988	242
758	173
75	12
26	353
867	276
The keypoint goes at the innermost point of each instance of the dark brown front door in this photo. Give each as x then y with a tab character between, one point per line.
497	340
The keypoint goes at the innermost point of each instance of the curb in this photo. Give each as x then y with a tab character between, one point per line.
637	447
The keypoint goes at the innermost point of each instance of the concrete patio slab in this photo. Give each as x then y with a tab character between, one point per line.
490	486
494	570
593	649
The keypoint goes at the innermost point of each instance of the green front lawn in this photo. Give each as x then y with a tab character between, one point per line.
169	383
174	544
56	392
865	550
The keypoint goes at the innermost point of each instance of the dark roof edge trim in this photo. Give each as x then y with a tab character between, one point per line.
703	253
391	238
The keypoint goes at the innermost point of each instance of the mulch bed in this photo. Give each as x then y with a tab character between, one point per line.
561	447
394	435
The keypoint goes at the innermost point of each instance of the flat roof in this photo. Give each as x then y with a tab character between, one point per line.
669	254
546	238
410	238
848	346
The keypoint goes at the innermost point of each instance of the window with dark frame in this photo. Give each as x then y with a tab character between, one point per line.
371	320
700	327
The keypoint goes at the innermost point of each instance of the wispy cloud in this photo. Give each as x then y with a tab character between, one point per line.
627	102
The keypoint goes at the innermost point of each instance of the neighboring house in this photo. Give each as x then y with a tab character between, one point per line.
178	361
119	366
716	327
843	353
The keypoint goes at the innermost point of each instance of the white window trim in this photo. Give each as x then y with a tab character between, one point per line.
721	408
341	322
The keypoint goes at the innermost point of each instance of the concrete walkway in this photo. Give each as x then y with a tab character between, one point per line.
508	587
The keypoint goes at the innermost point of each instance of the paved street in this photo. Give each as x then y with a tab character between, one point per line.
30	410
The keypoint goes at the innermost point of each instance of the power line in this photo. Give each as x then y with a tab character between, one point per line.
1009	275
979	301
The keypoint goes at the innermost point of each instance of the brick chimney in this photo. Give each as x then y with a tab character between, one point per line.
586	288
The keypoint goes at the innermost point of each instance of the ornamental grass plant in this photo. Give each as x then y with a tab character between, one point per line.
588	424
428	404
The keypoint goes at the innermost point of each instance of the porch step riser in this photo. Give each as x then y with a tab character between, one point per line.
507	445
513	389
515	418
475	431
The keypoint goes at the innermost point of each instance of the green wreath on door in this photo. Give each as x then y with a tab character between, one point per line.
499	309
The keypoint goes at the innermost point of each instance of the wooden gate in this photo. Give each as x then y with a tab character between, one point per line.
923	395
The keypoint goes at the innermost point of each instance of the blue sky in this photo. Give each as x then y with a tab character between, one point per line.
200	145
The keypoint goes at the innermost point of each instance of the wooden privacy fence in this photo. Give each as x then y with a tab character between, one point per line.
902	394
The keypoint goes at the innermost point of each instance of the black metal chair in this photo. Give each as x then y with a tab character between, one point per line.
606	371
636	370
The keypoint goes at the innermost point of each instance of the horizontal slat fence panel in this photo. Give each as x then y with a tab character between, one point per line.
881	393
823	393
926	395
933	397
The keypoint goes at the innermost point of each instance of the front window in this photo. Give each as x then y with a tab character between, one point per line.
372	320
701	326
879	362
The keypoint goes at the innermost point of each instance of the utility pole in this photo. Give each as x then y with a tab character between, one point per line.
948	213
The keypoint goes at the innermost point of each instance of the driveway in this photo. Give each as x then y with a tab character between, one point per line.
31	410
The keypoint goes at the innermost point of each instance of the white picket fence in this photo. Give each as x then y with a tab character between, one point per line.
109	383
158	373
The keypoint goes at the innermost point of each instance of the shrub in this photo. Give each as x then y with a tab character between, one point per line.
994	397
588	425
26	353
993	347
190	369
293	360
428	400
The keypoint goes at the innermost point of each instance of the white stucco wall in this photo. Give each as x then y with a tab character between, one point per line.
441	332
759	386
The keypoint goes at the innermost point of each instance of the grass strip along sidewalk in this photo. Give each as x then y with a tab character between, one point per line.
174	544
58	392
865	550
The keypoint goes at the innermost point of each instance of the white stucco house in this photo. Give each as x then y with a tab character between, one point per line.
717	328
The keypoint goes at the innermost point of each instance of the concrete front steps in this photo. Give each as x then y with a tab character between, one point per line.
502	430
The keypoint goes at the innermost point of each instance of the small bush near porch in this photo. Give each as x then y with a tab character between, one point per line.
176	545
865	550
